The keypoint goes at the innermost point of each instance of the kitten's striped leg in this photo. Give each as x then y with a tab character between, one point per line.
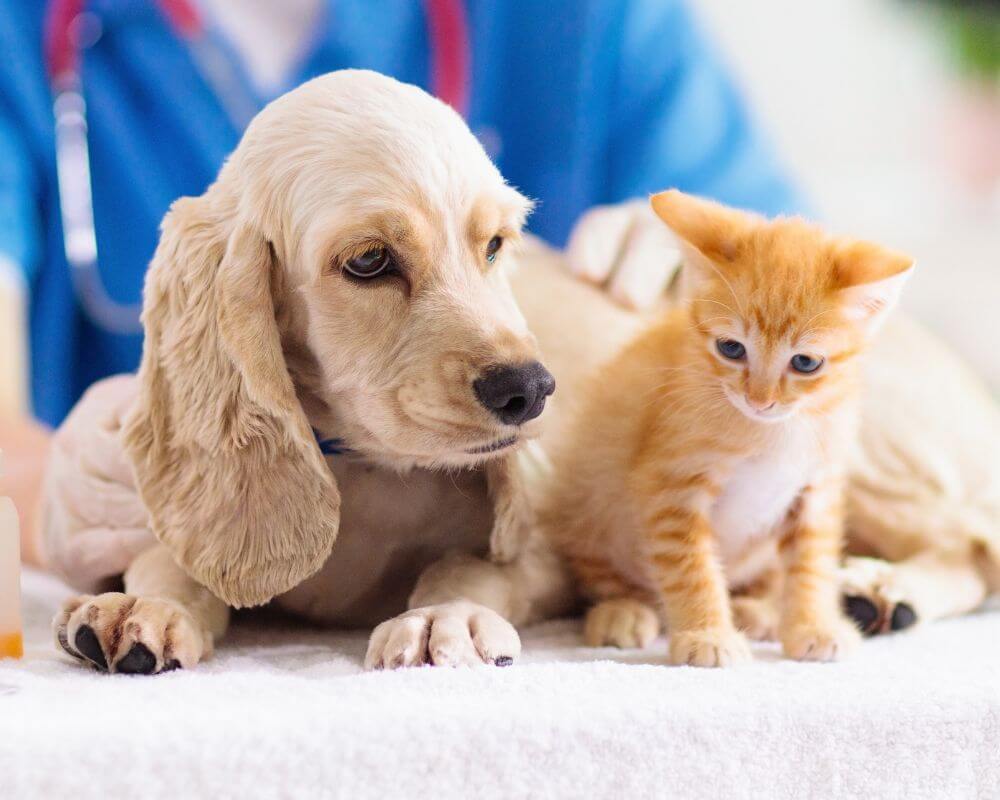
696	600
813	627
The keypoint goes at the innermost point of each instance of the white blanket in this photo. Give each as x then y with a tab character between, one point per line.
285	711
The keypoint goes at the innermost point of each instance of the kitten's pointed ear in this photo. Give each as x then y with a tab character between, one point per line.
870	279
712	229
708	233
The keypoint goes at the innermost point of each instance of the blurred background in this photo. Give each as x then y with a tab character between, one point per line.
888	114
885	114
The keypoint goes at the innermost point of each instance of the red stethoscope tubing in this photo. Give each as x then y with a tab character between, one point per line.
446	22
449	81
450	53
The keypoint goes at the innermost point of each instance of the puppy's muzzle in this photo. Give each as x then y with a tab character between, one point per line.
515	394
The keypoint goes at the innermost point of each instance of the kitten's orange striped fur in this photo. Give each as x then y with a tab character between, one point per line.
687	472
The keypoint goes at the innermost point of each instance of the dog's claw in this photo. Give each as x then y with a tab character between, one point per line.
863	612
139	660
903	616
87	644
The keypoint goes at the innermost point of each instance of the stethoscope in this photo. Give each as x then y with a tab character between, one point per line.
68	25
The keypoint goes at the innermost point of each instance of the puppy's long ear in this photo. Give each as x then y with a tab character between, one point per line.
224	457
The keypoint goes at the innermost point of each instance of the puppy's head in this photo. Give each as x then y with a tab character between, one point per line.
396	233
360	227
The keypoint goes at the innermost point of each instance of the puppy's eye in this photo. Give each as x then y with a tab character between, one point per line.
731	349
493	247
805	364
370	264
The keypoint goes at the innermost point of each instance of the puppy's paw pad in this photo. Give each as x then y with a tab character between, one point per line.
622	622
903	616
115	632
709	647
820	641
449	634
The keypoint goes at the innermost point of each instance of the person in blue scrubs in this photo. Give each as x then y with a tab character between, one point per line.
580	102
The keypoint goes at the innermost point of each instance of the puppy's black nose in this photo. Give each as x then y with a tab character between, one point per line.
515	394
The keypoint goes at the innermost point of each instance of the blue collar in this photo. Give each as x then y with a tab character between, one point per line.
331	447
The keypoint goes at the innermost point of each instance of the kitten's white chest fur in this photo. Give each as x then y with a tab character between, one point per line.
759	491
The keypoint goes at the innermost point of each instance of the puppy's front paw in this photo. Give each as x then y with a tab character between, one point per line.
820	641
709	647
117	632
622	622
449	634
871	597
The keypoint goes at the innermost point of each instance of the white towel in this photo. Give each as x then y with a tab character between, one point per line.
285	711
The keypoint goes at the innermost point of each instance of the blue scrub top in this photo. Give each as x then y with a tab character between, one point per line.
581	101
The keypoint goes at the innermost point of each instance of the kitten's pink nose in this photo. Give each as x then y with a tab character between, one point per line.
760	405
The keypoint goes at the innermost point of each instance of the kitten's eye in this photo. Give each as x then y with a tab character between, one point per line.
805	364
371	264
731	349
493	247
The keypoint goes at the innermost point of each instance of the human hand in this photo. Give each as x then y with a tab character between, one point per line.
626	249
93	521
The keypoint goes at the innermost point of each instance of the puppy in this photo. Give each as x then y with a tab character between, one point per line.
335	392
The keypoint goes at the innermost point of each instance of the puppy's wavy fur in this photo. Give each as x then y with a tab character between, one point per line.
258	339
225	459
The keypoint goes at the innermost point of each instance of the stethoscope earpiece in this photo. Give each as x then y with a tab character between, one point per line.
69	29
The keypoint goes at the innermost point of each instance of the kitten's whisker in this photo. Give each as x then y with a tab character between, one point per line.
816	316
687	393
807	333
729	286
716	302
685	370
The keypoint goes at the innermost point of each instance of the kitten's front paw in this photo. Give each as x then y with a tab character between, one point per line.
622	622
818	641
709	647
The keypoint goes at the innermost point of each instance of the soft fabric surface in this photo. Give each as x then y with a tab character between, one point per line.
285	711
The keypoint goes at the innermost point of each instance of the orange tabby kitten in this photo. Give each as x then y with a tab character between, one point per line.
718	438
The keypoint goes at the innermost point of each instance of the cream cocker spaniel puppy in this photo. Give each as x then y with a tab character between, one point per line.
336	387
